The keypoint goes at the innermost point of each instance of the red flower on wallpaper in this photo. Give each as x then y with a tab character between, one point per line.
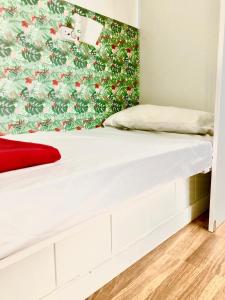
129	90
28	80
97	86
129	52
77	84
1	10
33	18
52	31
55	82
25	24
32	131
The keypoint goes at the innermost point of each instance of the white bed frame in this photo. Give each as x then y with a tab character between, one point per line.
73	265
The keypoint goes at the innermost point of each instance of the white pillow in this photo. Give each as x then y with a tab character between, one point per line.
163	118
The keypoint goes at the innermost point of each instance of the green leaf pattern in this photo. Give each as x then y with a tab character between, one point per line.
7	106
50	84
34	106
57	7
5	49
30	2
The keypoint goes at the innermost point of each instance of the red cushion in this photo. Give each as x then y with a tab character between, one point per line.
17	155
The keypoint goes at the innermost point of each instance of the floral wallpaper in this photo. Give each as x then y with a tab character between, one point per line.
47	83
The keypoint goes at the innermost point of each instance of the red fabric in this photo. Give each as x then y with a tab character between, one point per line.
17	155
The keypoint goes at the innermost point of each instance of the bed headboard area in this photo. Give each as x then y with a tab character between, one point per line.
47	83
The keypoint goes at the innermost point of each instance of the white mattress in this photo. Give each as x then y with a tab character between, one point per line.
100	169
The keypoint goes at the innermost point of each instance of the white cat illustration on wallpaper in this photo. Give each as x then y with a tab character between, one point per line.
81	29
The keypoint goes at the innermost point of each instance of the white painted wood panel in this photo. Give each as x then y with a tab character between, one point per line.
132	223
217	205
125	11
29	279
83	287
84	250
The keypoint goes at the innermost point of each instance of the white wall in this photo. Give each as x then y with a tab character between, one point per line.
178	52
122	10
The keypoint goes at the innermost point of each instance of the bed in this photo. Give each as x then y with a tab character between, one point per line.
68	228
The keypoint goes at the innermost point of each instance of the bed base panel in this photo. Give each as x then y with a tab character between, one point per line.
78	262
84	287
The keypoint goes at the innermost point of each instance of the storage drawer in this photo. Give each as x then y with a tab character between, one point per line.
29	279
84	250
133	222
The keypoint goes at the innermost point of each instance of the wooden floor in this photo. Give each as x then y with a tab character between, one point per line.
190	265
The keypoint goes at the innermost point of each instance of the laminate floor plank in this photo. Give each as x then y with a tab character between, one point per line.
150	279
174	285
186	241
127	277
214	287
210	254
